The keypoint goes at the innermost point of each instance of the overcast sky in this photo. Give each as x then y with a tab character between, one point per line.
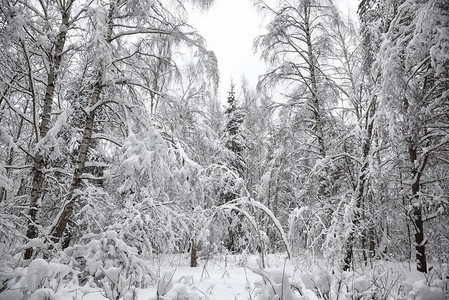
230	27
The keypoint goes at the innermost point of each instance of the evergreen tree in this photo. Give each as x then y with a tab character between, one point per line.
234	137
234	143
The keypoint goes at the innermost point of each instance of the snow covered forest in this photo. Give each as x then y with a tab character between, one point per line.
125	175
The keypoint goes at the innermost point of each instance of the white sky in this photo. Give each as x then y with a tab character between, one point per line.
230	27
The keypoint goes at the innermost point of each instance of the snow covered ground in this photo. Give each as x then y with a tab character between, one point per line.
223	278
234	277
240	277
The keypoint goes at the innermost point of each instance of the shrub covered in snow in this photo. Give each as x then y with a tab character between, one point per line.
104	260
182	288
276	285
380	282
101	261
40	280
435	285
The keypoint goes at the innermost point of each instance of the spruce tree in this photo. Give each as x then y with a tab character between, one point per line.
234	142
234	137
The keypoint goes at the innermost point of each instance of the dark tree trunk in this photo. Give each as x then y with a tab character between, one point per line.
417	214
193	254
347	262
417	217
420	243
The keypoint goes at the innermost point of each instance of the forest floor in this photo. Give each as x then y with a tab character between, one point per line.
234	277
221	277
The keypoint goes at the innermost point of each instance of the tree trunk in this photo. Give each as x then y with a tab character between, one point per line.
314	87
419	240
372	241
193	254
67	210
361	182
417	219
38	176
63	218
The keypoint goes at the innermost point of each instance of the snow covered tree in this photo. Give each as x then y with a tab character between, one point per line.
295	46
109	36
233	160
49	116
234	139
354	84
313	58
414	89
36	36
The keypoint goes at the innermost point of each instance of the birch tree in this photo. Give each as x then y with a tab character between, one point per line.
354	82
113	28
295	46
76	78
41	31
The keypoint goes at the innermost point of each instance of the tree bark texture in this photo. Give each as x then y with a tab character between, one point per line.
38	176
193	254
417	218
70	200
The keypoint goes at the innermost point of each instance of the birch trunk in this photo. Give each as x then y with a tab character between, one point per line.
67	210
38	176
313	81
63	218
